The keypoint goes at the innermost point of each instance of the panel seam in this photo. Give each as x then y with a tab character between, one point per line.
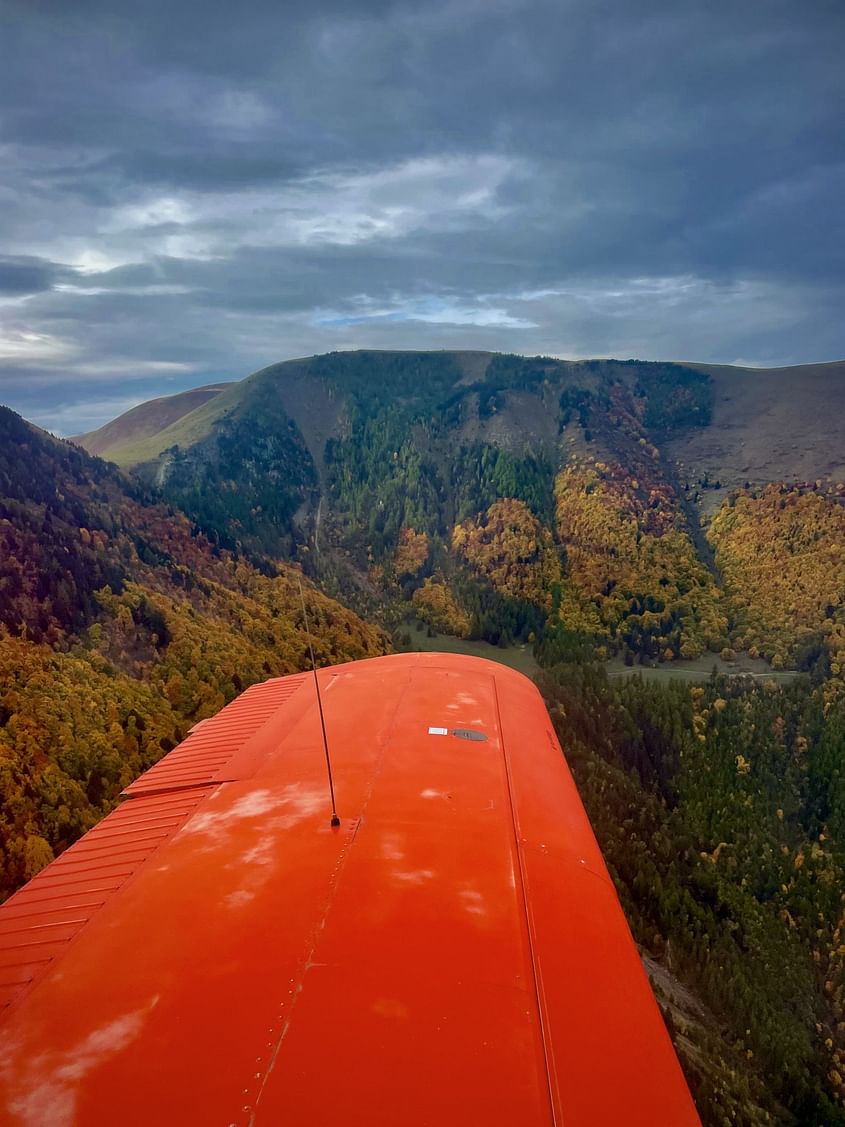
538	997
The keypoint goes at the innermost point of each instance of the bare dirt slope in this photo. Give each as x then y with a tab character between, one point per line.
309	402
768	424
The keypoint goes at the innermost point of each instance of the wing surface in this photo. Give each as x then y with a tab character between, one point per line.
214	952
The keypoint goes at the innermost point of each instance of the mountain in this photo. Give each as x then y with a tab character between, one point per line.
121	626
485	491
763	425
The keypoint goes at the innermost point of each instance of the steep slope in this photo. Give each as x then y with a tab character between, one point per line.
766	424
720	808
396	435
781	551
120	627
777	424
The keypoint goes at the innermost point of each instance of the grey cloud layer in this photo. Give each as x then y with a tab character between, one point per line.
190	191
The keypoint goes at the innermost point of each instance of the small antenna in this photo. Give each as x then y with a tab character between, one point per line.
335	820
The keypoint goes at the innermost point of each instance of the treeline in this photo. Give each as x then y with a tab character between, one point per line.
419	380
675	396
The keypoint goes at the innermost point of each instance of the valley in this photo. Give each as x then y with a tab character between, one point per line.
416	636
702	669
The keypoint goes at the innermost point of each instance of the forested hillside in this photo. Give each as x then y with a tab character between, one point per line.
121	625
781	551
495	495
720	809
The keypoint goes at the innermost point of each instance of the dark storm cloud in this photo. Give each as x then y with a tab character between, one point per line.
26	275
191	190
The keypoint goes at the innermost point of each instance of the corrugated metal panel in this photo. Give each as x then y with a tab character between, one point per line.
203	757
38	923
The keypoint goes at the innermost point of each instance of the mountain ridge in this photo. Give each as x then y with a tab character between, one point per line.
128	451
625	462
146	419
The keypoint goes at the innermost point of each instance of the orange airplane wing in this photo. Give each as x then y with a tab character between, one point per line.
215	952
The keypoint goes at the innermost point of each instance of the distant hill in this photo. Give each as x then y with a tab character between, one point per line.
765	424
145	421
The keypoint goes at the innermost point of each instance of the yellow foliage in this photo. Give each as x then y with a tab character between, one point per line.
782	555
509	546
435	604
37	853
631	560
411	552
174	646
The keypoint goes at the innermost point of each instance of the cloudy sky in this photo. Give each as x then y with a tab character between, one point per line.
191	190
